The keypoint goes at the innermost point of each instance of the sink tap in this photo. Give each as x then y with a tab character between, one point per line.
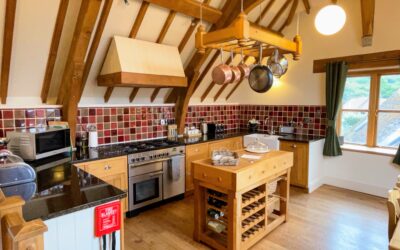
271	130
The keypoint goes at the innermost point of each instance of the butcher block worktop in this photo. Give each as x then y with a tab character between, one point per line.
236	206
247	172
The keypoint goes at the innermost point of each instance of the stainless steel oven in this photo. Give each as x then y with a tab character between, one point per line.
155	176
145	184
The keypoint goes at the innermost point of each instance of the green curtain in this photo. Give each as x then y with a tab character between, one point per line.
336	73
397	157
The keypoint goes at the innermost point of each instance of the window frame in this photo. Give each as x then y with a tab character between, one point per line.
373	109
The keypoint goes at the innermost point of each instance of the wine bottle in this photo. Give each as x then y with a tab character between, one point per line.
216	227
214	213
216	203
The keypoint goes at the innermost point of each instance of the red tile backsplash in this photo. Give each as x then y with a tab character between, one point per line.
121	124
308	120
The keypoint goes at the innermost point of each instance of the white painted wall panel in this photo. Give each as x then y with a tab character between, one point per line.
73	231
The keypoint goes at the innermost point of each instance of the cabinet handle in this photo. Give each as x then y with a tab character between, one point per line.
294	146
107	167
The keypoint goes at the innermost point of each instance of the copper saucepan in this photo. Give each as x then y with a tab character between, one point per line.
244	68
236	73
222	74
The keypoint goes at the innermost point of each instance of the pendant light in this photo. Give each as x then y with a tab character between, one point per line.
330	19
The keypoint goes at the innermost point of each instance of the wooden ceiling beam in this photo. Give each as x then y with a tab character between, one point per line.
55	42
70	91
11	6
290	17
133	94
96	41
134	31
188	34
279	14
207	69
264	11
190	8
367	16
307	6
363	61
87	17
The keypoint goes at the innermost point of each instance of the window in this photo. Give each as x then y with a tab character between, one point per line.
370	112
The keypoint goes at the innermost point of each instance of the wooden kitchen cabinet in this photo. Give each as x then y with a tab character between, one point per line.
203	150
114	171
193	153
299	172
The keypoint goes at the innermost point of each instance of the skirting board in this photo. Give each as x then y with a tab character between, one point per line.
315	185
356	186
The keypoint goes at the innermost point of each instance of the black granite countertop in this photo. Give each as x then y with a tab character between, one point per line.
61	188
300	138
208	138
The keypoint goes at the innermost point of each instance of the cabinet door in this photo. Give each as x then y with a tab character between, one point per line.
299	172
193	153
119	181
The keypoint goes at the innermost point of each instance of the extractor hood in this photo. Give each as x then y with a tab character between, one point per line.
136	63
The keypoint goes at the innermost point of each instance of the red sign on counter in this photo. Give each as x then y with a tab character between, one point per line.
107	218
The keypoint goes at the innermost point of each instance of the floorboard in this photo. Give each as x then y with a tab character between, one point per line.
329	218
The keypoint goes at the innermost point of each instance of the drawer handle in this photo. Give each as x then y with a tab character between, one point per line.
263	172
107	167
294	146
204	175
219	179
196	150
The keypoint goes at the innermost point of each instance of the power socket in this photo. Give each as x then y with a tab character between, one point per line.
163	122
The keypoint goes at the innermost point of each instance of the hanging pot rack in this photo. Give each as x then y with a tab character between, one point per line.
246	36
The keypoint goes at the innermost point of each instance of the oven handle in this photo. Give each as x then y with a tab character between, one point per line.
132	165
156	173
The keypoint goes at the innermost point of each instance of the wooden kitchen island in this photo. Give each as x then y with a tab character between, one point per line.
250	199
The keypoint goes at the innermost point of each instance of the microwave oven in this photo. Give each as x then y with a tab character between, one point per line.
37	143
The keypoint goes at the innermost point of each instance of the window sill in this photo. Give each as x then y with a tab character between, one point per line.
369	150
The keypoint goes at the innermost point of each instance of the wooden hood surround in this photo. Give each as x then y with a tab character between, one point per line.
136	63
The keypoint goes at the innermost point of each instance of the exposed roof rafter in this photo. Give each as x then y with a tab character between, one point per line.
11	6
55	42
190	8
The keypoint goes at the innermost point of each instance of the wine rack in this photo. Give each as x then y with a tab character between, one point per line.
217	201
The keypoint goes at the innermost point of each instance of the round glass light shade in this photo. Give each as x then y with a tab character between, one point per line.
330	19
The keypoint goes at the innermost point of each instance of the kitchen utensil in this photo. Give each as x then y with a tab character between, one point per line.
222	74
236	73
172	130
244	68
260	78
277	63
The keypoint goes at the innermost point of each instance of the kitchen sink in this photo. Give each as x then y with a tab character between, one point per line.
272	141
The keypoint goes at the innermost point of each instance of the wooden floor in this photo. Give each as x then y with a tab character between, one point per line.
329	218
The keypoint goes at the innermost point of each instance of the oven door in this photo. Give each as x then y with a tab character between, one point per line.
145	189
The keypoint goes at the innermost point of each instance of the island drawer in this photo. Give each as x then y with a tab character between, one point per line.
197	149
